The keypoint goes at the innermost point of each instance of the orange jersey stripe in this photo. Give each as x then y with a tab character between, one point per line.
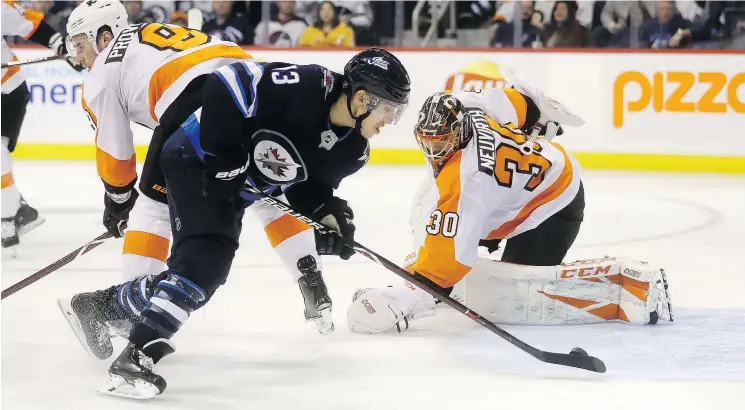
168	73
518	101
11	71
115	172
551	193
284	227
146	244
7	180
436	260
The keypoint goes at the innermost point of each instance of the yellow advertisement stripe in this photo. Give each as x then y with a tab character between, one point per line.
403	156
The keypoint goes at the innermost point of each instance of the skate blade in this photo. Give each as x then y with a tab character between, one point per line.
72	319
11	251
324	321
30	226
118	386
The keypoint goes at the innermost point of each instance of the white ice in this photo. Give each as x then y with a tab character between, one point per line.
251	349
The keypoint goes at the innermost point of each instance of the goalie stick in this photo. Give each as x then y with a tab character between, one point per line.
33	61
56	265
581	361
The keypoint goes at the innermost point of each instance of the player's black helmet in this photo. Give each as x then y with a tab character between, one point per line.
381	74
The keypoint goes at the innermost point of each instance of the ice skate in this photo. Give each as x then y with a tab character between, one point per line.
27	218
317	301
10	239
95	319
132	375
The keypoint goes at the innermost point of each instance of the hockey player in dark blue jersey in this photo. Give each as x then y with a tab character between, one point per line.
292	130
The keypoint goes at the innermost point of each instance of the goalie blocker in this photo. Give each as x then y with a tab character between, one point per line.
610	289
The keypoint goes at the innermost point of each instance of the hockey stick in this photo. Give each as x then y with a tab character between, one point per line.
56	265
32	61
581	361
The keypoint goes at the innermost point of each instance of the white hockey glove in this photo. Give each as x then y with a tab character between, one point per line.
377	310
553	113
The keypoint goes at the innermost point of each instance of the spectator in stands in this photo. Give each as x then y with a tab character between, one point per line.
136	14
227	25
503	31
706	24
327	30
359	16
615	18
564	30
180	18
658	32
283	30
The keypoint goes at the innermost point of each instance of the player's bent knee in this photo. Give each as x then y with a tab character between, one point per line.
370	312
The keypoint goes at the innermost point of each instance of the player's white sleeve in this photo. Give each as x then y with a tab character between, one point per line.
504	105
115	152
18	20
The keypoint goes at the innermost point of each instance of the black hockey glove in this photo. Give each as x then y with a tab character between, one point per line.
116	213
223	177
335	214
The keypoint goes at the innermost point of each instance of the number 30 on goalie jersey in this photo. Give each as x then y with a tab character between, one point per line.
490	190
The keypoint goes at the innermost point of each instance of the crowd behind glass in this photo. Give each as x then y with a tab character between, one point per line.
496	24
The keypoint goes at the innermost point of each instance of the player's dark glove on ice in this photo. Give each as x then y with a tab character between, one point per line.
335	214
116	213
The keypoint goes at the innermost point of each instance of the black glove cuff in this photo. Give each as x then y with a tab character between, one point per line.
118	190
42	34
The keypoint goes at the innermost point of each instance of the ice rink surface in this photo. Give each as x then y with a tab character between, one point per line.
251	349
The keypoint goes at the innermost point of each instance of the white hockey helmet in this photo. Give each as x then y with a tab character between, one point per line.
90	15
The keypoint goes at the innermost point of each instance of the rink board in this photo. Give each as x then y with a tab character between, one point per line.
669	111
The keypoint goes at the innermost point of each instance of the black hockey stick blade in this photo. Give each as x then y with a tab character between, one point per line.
56	265
578	361
590	363
33	61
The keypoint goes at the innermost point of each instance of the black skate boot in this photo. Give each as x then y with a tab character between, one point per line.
10	235
27	218
88	314
132	375
315	294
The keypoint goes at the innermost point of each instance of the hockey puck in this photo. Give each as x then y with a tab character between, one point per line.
578	351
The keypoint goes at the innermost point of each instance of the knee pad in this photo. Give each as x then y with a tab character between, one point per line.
173	300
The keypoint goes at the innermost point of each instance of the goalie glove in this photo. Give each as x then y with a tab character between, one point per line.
377	310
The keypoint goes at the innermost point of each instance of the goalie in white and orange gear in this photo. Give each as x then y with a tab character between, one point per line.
496	177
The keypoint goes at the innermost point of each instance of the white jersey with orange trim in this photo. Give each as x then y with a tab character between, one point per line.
136	78
490	189
16	21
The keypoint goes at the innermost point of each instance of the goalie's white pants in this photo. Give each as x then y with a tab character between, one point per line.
148	238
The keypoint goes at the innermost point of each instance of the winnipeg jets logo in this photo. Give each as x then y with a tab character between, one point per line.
377	61
273	160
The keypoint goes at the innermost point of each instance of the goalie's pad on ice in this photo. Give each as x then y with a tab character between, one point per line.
586	291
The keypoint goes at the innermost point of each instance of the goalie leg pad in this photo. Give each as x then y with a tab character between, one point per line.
589	291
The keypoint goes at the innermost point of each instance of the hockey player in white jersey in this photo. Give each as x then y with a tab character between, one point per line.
150	74
17	216
497	176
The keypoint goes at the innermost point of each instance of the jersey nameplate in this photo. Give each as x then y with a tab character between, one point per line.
119	48
485	143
